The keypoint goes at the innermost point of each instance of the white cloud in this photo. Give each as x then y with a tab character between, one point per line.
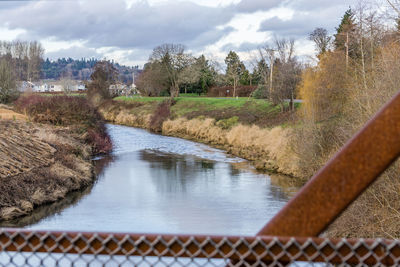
9	35
127	30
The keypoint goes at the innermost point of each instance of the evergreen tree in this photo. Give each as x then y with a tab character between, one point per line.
345	32
234	70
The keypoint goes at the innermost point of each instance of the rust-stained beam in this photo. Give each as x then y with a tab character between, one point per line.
238	249
343	178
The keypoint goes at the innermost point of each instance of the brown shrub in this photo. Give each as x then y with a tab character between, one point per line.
68	111
162	113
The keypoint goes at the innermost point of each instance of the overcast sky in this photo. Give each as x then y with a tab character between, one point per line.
128	30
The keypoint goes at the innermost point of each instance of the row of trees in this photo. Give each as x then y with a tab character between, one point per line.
19	61
81	69
23	57
170	70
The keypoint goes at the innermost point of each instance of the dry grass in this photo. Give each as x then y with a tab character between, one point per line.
7	114
39	165
268	148
376	213
123	116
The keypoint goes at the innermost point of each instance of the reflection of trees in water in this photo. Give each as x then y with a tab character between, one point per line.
234	171
101	164
174	173
287	184
277	193
281	187
47	210
207	165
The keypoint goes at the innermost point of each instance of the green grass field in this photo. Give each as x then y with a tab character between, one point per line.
210	102
243	109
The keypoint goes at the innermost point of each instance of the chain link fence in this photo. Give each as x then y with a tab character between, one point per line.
26	248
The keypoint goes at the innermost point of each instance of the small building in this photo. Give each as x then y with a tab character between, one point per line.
54	87
119	89
51	86
25	86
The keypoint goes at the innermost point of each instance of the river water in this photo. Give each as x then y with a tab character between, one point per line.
157	184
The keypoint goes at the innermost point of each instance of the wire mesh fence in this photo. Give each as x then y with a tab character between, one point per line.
26	248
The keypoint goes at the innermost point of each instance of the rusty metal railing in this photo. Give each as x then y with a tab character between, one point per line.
67	248
290	237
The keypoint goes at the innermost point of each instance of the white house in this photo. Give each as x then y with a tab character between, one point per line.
25	86
51	86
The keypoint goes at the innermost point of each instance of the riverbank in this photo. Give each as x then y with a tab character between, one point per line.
160	184
250	129
41	161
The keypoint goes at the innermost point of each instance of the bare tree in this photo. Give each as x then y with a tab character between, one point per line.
321	39
8	91
174	61
287	72
285	49
267	55
35	57
24	57
153	80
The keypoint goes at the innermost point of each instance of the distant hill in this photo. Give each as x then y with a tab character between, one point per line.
81	69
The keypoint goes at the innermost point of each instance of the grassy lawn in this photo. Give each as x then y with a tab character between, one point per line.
244	110
206	102
139	99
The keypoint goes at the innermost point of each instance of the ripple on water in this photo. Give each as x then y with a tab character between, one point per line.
132	139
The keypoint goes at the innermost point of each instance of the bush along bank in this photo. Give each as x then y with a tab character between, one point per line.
237	129
48	156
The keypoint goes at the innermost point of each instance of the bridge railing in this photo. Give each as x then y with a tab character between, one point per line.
106	249
289	238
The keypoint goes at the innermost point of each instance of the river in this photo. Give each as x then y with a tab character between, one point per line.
158	184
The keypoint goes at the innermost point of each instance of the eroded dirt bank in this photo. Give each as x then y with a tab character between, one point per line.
39	164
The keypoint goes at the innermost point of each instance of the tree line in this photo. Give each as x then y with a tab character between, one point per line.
170	70
81	69
19	61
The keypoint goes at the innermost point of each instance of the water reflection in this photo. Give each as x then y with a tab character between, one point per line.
158	184
173	173
44	211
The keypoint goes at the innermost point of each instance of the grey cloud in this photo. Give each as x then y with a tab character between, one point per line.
110	23
243	47
209	37
302	23
4	5
317	4
74	52
249	6
293	27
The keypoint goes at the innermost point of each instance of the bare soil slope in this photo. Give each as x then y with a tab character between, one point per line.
21	150
38	164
